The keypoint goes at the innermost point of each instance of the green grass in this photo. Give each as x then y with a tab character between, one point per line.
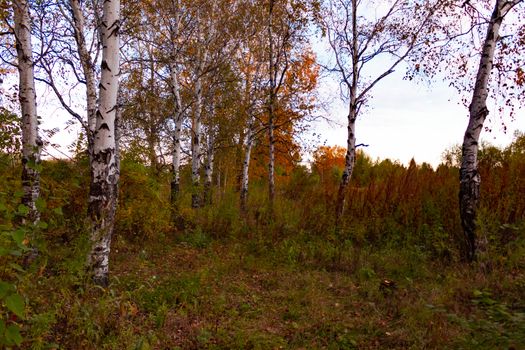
195	292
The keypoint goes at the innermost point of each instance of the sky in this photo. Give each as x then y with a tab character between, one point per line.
408	120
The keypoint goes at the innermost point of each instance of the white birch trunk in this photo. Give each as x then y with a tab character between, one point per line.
246	167
469	175
196	131
176	158
349	165
195	146
208	169
31	143
352	116
88	70
178	118
104	168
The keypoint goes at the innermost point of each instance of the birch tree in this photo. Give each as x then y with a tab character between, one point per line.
469	190
88	68
272	72
286	24
31	143
104	171
175	23
357	38
196	125
212	45
252	80
69	46
481	50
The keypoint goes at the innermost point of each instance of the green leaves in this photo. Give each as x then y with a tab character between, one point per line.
22	210
40	204
18	236
10	333
58	211
16	304
13	336
5	288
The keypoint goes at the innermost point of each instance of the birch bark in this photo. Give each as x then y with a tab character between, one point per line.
104	168
88	69
31	143
196	140
469	176
196	129
352	116
178	118
246	167
208	169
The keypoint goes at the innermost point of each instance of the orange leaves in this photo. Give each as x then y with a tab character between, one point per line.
328	157
520	77
301	78
328	162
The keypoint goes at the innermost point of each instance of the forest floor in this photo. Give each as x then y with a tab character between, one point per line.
194	292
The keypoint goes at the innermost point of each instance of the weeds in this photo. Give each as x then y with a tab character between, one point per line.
215	280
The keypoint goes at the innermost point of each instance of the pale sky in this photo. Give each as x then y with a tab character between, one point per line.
408	120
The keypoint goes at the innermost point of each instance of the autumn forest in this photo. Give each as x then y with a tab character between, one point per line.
193	211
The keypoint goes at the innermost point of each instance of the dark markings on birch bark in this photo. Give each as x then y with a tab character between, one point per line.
104	65
469	177
101	210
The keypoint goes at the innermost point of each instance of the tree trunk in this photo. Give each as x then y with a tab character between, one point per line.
177	118
246	169
196	131
176	157
352	116
349	165
271	111
88	70
469	176
31	143
103	190
208	169
151	139
195	146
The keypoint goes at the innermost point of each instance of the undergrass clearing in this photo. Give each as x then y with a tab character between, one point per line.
178	293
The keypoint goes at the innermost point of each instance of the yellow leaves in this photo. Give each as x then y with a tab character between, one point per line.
127	309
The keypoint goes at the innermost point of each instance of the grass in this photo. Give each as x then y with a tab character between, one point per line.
195	292
214	280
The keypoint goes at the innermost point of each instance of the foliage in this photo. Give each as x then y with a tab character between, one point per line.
9	133
279	275
289	280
